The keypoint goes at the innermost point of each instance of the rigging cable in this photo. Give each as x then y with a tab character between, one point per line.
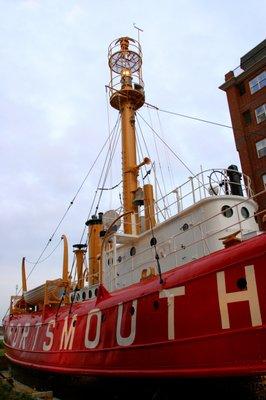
189	117
158	156
200	119
114	133
156	180
170	171
69	206
169	148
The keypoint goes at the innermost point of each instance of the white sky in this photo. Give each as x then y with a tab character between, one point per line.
53	118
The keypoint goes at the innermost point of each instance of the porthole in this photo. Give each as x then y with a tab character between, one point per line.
184	227
244	212
84	295
227	211
132	251
241	283
96	292
153	241
90	294
119	259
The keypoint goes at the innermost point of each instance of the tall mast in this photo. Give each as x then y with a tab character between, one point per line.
127	95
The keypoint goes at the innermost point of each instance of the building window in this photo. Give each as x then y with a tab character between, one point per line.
241	88
247	117
264	180
261	113
258	82
261	148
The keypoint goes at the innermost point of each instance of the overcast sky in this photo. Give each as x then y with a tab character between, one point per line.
53	106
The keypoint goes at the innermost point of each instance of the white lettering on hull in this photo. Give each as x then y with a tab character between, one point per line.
49	335
126	341
16	335
38	325
25	333
250	295
67	336
91	344
170	294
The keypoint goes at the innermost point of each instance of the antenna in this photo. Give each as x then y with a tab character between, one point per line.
139	29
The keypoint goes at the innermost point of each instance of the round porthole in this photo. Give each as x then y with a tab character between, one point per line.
132	251
244	212
227	211
241	283
90	294
84	295
119	259
153	241
184	227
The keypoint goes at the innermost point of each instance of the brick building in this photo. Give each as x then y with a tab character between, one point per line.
245	88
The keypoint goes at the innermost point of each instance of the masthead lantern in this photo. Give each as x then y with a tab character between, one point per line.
127	95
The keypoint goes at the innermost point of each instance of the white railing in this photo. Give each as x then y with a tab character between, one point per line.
211	182
174	243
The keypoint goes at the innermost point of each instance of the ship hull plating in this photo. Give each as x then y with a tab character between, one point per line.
206	319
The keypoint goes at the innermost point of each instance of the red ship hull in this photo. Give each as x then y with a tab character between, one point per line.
206	319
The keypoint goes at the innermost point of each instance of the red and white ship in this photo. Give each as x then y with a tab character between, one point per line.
178	292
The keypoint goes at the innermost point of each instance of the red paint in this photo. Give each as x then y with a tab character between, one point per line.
201	346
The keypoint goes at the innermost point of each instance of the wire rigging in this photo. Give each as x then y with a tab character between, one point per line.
189	116
169	148
113	132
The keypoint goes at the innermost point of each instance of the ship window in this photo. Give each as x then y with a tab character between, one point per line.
83	295
96	292
119	259
261	113
227	211
153	241
241	283
184	227
132	310
244	212
90	294
258	82
261	148
132	251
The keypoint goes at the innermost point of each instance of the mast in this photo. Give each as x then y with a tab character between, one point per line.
127	95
